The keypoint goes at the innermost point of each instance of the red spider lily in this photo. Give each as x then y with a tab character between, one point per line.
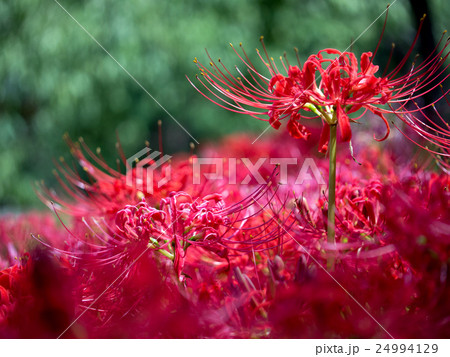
182	232
331	85
179	223
118	229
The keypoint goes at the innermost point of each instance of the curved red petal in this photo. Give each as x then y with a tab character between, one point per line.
344	124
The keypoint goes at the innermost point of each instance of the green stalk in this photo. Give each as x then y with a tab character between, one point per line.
332	191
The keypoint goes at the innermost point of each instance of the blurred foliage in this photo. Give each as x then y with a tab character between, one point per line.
56	79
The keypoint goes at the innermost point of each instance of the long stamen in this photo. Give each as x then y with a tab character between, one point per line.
261	39
298	58
381	35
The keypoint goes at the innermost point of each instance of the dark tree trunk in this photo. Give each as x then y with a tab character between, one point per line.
427	41
427	44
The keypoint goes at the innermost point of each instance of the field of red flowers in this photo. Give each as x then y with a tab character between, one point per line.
231	260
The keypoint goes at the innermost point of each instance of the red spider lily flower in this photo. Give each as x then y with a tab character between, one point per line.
179	222
330	86
111	220
112	231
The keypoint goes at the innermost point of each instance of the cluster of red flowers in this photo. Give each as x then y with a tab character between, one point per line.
230	260
331	85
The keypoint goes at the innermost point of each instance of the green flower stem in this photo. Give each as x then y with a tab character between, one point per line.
166	254
331	229
153	244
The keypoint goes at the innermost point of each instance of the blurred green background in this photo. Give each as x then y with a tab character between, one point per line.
56	79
